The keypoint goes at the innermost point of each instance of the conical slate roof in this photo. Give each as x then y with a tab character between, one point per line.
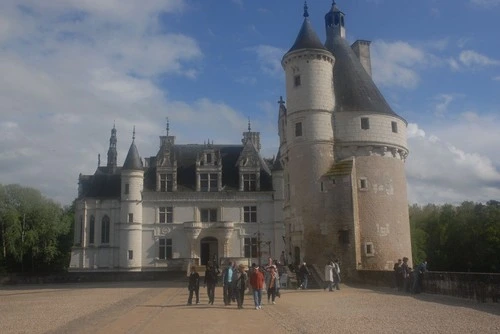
354	87
133	161
277	166
307	38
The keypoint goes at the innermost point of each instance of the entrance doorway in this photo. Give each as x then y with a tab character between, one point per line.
296	255
209	250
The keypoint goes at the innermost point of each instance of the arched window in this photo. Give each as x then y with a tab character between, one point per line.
91	230
105	227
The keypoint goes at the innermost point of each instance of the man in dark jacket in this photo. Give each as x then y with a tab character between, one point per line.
210	282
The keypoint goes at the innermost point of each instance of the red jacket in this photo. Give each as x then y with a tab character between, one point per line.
257	280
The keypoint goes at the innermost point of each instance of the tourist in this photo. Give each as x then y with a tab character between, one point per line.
257	284
240	285
227	286
194	286
336	274
398	275
210	281
272	282
405	272
418	276
304	276
329	276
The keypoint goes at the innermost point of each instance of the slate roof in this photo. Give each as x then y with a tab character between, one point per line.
307	38
277	162
354	87
133	161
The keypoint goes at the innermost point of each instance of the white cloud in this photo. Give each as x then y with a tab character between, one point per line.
270	59
443	101
472	58
485	3
395	64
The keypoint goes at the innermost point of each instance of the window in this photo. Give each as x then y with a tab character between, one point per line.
250	214
249	182
365	123
322	187
298	129
91	230
165	249
363	183
296	80
127	188
344	237
166	215
105	228
250	248
130	217
208	215
166	182
130	254
369	250
209	158
208	182
394	127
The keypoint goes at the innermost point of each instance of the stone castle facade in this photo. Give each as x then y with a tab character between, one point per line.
336	189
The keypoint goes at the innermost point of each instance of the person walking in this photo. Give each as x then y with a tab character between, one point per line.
272	282
329	276
194	286
257	284
210	281
304	276
227	283
336	274
240	285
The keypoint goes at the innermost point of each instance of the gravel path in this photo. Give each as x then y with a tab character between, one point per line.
157	307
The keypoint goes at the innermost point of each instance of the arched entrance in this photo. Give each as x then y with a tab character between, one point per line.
296	255
209	250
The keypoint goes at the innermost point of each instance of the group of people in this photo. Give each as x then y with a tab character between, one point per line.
235	280
332	275
407	279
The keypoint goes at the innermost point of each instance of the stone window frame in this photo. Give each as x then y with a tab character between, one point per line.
250	214
130	254
127	189
249	181
250	247
209	215
130	218
212	181
166	182
365	123
91	230
165	214
394	126
105	229
297	81
299	131
363	184
369	249
165	249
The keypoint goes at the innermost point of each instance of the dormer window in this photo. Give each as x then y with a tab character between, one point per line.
249	182
208	182
209	158
166	182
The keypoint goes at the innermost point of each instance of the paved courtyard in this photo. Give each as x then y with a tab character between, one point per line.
160	307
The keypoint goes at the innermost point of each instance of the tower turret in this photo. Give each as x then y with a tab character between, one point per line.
308	151
334	24
132	183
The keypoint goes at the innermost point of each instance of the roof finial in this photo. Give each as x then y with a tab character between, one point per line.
133	134
281	101
99	160
249	125
306	13
168	126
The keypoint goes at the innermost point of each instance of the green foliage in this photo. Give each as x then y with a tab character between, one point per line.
35	232
457	238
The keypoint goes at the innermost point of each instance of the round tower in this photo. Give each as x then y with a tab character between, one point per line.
132	179
308	150
373	137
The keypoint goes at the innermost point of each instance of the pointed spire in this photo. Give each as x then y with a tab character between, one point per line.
249	125
306	13
133	160
133	134
281	102
99	160
168	127
112	153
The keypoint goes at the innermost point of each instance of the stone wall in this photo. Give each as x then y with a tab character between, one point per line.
483	287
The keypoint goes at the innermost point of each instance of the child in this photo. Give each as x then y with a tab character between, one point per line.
194	286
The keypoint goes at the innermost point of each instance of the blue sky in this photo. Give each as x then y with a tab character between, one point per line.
69	69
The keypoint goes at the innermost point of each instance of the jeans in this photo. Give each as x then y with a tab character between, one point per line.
257	297
305	279
211	292
228	293
197	292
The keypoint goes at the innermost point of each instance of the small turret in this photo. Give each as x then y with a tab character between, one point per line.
133	160
112	154
334	24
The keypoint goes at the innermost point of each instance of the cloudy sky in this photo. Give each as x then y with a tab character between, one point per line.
70	69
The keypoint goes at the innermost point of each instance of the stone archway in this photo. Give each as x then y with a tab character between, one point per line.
209	250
